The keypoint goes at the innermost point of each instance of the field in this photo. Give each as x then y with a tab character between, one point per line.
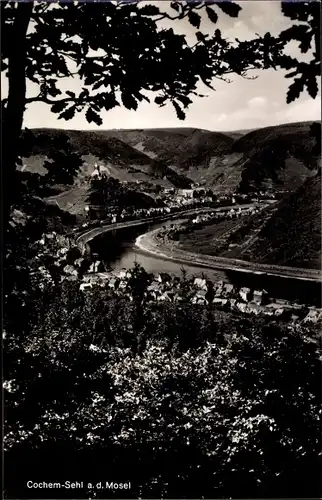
210	239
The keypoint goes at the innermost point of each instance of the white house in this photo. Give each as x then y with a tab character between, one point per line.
100	170
95	173
186	193
260	297
221	301
85	286
241	306
228	289
313	317
199	299
200	283
245	294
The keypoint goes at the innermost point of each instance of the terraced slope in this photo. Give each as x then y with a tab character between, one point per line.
284	155
290	234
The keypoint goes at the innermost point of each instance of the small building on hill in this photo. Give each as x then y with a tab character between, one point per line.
220	301
185	193
100	171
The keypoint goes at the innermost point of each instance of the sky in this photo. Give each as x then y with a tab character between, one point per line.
242	104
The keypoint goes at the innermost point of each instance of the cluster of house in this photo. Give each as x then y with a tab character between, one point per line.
185	197
145	213
203	196
128	214
172	199
115	216
241	198
165	288
225	214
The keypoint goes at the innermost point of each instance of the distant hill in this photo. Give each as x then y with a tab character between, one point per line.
123	161
277	156
282	156
272	157
188	151
292	235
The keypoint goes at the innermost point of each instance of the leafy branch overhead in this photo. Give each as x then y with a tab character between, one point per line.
122	54
307	34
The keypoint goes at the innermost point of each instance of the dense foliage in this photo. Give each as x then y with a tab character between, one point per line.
182	400
306	32
145	58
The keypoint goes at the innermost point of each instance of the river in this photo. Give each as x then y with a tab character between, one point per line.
117	249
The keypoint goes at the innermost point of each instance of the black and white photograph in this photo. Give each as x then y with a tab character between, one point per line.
161	250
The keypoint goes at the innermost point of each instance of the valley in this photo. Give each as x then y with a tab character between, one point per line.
147	164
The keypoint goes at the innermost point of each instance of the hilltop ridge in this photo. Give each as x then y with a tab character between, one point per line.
274	157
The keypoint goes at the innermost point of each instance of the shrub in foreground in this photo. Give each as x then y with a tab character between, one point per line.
236	415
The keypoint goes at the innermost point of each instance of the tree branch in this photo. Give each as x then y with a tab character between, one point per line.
61	52
44	99
179	16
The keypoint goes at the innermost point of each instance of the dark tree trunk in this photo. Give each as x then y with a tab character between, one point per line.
13	114
317	31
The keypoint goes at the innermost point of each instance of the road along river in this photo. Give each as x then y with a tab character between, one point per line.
123	244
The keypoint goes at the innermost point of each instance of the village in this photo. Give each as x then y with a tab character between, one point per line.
165	288
171	200
176	204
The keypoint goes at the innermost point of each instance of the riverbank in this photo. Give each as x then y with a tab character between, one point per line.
120	246
85	236
161	246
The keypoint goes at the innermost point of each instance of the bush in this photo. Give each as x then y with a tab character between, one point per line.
189	403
